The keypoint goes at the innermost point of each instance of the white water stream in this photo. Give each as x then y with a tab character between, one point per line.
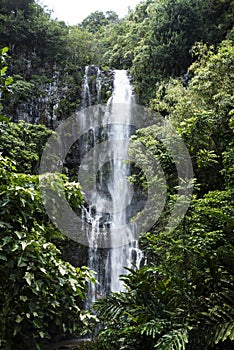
114	188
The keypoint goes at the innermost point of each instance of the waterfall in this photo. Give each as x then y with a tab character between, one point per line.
86	99
113	188
92	85
118	185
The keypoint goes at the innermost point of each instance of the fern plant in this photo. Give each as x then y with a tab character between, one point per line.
174	340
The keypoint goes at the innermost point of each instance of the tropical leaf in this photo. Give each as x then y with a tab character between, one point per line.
174	340
224	331
154	327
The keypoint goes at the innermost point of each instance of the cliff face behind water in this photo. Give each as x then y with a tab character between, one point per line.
52	94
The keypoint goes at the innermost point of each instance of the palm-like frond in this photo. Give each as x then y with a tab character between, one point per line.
224	331
219	318
153	328
174	340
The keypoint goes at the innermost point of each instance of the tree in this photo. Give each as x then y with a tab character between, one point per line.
202	111
159	35
96	20
8	6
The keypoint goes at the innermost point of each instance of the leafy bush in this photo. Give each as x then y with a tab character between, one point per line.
184	298
23	143
40	295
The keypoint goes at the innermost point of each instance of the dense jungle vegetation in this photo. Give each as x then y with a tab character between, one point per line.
180	56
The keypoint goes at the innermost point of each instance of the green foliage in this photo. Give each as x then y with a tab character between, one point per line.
8	6
202	112
113	46
47	63
41	295
97	20
5	81
175	340
183	297
79	47
185	291
155	40
24	144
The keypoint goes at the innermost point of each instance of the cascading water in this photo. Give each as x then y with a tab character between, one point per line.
113	188
118	185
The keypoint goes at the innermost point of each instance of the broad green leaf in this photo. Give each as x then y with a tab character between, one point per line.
29	277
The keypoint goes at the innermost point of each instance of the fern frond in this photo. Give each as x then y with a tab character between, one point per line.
174	340
114	306
224	331
153	328
220	317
